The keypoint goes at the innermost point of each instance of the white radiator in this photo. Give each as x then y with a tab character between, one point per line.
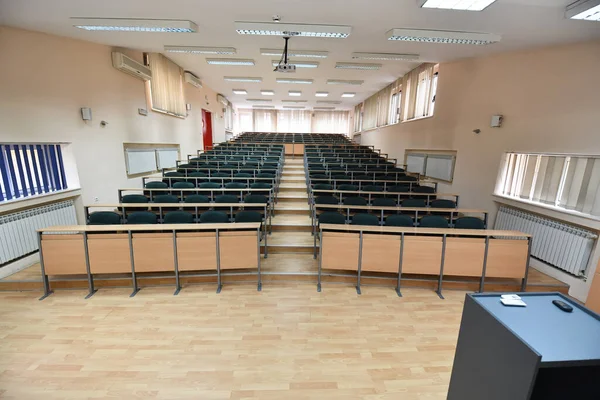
563	246
18	230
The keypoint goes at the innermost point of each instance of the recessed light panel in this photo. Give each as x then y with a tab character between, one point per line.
446	37
465	5
293	101
348	94
259	100
200	50
294	107
229	61
242	79
295	53
267	93
240	91
328	102
323	108
385	56
588	10
282	29
322	94
263	106
299	64
295	81
343	82
342	65
295	93
134	25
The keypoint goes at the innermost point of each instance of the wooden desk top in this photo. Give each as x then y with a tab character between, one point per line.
397	181
174	205
390	193
422	231
152	227
379	208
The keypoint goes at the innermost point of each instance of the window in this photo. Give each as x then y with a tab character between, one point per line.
569	182
395	108
330	122
30	169
420	89
297	121
245	121
228	118
141	158
166	85
434	164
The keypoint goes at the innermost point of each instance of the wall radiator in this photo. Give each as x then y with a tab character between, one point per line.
560	245
18	230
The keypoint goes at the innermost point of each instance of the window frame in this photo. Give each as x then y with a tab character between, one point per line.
452	154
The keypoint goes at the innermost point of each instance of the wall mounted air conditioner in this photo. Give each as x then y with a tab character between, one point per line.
192	79
125	64
222	99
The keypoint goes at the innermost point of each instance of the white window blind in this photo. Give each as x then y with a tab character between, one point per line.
140	161
166	86
167	158
415	163
142	158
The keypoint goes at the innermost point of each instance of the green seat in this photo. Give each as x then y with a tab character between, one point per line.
372	188
166	198
331	217
348	187
214	217
326	200
227	198
255	198
398	189
319	176
209	185
355	201
142	218
197	174
156	185
443	203
178	217
433	221
365	219
261	185
183	185
409	178
235	185
104	218
221	175
265	175
423	189
134	198
399	220
248	216
469	223
243	175
384	202
197	198
413	203
323	186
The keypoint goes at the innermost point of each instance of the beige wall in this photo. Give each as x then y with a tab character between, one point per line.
550	99
45	80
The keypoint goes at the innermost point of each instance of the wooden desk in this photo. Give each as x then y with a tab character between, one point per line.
109	249
430	251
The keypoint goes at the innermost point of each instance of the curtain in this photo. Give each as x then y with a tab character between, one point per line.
330	122
417	94
265	120
229	117
581	190
245	120
297	121
166	86
358	118
384	97
370	113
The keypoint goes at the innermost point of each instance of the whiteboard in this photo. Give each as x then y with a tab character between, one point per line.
140	161
167	158
440	167
415	163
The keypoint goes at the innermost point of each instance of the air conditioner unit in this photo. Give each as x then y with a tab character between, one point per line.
222	99
192	79
125	64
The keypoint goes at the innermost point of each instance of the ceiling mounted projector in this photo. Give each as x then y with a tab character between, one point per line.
283	65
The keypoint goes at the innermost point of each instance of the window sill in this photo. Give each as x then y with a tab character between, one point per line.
32	201
417	119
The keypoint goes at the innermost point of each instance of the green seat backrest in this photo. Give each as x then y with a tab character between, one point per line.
243	175
141	217
235	185
443	203
353	188
104	218
134	198
323	186
178	217
399	220
423	189
355	201
226	198
326	200
433	221
365	219
156	185
260	185
166	198
183	185
384	202
255	198
214	217
469	223
413	203
331	217
248	216
209	185
197	198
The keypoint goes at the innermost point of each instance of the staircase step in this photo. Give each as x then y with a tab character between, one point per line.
291	187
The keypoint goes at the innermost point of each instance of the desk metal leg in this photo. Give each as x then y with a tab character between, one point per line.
400	265
485	256
176	263
91	289
266	241
45	280
360	246
524	284
219	285
439	289
259	286
133	276
320	261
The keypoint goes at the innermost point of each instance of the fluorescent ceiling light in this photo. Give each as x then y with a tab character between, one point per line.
328	102
282	29
299	64
449	37
242	79
267	93
385	56
293	101
294	107
295	93
344	65
343	82
297	81
588	10
323	108
134	25
229	61
348	94
466	5
200	50
322	94
259	100
295	53
263	106
240	91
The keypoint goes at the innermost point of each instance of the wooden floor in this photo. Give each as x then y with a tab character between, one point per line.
286	342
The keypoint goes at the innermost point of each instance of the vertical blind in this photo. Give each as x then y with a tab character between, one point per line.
265	121
299	121
418	94
30	169
166	86
380	109
330	122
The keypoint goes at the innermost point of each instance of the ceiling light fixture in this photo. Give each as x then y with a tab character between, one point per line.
448	37
465	5
134	25
294	107
240	91
328	102
385	56
293	101
344	65
322	94
348	94
267	93
242	79
295	81
229	61
588	10
263	106
295	93
200	50
284	29
343	82
295	53
323	108
259	100
299	64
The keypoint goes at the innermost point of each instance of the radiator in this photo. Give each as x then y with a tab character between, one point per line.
18	230
560	245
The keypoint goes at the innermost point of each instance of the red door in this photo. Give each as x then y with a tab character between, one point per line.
207	137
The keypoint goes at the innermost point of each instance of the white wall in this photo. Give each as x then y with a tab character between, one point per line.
550	100
46	79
